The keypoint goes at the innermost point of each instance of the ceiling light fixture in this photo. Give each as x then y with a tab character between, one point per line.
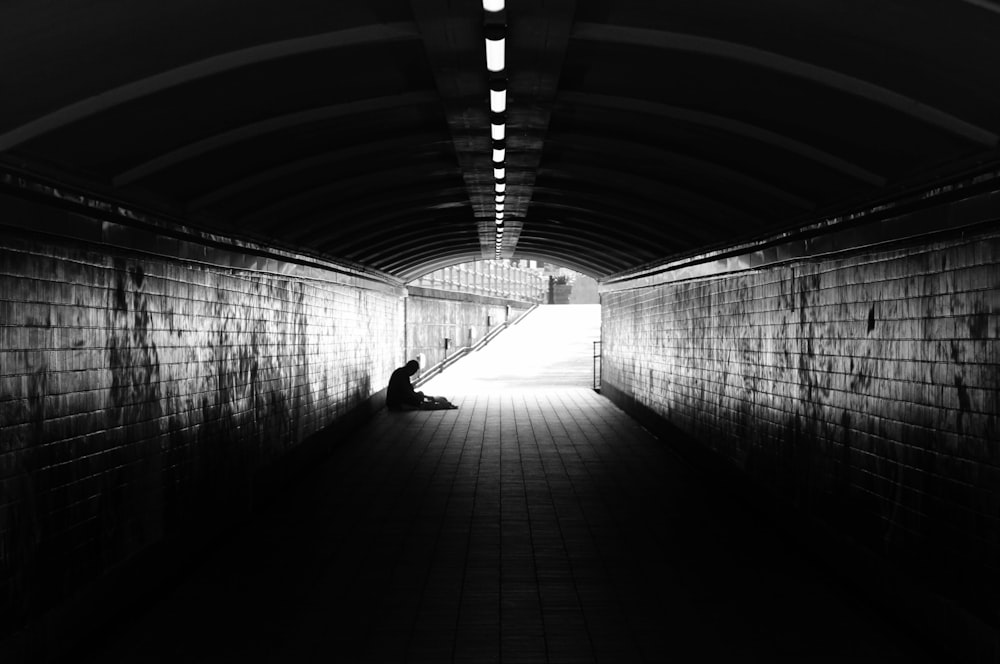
498	100
495	53
499	173
498	131
493	5
499	154
501	187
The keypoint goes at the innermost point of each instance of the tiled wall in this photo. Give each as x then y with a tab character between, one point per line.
139	394
864	389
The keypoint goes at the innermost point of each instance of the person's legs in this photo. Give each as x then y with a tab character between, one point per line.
438	403
427	403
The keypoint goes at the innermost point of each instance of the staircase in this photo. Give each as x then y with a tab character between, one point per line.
551	347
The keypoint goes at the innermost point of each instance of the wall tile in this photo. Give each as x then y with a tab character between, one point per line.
880	371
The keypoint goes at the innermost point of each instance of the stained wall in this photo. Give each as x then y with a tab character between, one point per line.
862	389
151	384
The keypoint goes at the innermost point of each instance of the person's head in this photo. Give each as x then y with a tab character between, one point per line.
413	367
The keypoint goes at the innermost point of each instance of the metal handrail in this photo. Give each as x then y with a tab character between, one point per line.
597	366
435	369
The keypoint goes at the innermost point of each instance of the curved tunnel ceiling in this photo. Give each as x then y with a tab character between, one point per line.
636	131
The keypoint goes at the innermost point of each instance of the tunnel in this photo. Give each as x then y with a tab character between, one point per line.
215	220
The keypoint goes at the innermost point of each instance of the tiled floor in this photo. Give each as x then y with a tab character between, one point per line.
537	526
530	525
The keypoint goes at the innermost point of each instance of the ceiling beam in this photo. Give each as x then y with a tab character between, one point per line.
236	188
414	262
219	64
573	177
437	262
652	230
388	212
576	251
595	241
988	5
676	41
279	211
610	149
572	101
622	210
269	126
560	260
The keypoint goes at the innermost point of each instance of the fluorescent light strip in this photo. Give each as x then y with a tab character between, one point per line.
496	62
498	101
495	54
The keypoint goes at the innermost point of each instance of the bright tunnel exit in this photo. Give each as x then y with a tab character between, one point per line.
546	336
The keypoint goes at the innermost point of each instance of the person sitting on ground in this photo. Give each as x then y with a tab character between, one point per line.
400	394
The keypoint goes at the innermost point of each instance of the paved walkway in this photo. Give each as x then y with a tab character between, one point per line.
530	525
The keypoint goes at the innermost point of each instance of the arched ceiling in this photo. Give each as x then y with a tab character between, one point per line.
637	131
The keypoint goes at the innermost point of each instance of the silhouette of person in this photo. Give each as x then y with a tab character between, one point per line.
400	394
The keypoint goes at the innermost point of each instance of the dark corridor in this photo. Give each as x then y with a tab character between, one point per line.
540	525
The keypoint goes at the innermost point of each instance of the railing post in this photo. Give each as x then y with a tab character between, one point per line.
597	366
